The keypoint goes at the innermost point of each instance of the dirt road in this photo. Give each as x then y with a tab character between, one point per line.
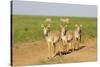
33	53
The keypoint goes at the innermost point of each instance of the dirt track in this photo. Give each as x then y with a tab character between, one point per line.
36	53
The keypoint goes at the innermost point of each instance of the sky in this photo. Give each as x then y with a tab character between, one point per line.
53	9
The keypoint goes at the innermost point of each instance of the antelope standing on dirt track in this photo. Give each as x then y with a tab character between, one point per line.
67	38
52	37
77	35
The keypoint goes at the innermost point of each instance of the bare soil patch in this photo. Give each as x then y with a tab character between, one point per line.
33	53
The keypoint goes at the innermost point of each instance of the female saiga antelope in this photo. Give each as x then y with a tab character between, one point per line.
77	35
52	37
67	38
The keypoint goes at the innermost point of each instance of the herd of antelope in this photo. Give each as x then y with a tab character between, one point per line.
70	39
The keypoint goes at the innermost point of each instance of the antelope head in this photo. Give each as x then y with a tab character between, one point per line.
63	29
78	27
46	29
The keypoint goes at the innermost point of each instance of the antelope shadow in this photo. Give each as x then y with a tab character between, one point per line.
70	51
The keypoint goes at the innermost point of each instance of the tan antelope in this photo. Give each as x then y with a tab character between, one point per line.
52	37
77	35
48	20
65	20
67	38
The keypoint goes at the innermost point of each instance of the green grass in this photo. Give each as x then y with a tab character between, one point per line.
28	28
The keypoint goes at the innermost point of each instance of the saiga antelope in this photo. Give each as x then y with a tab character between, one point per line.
52	37
48	20
77	35
65	20
67	38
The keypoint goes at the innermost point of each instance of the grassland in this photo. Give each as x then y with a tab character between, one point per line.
30	47
28	28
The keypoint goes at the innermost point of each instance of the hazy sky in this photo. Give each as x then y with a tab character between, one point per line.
53	9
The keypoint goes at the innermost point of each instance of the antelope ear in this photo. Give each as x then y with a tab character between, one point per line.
80	25
42	25
48	26
76	25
